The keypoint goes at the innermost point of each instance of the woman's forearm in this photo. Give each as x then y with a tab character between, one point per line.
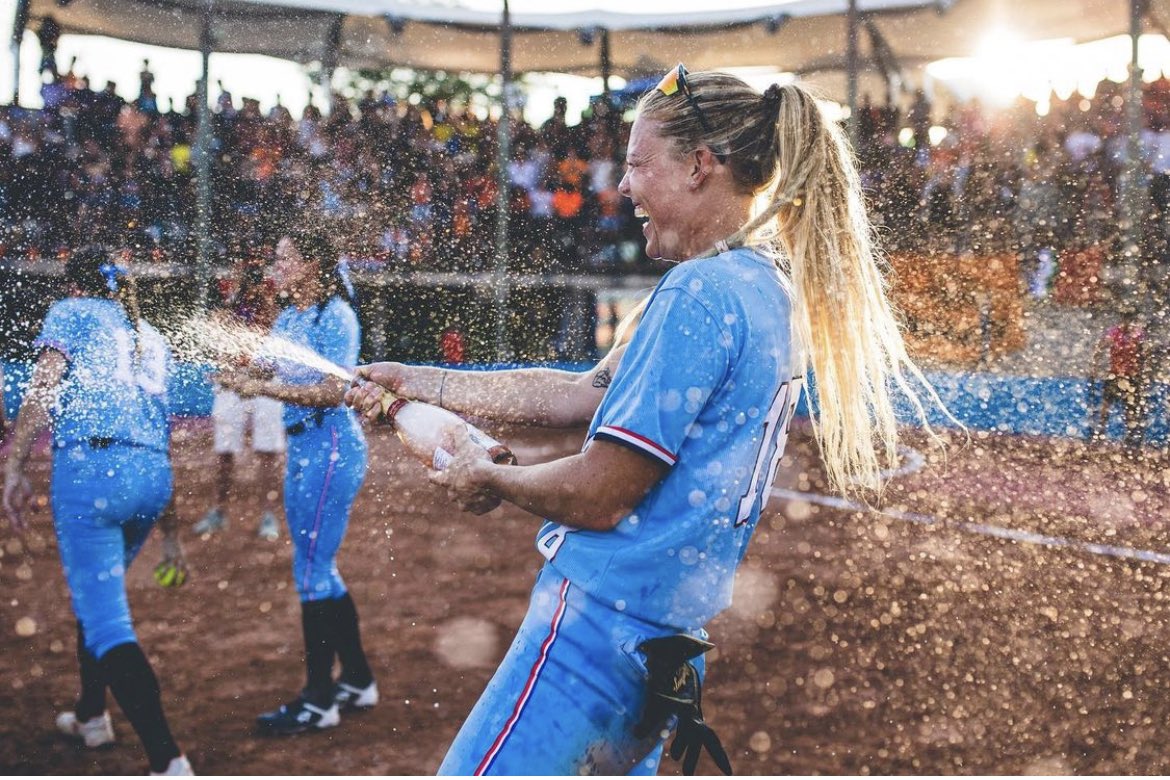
33	418
325	394
529	396
555	491
34	409
591	490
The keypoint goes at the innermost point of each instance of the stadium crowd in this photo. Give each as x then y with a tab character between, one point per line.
414	186
397	183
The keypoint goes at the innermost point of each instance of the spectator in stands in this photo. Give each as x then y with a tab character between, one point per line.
1039	210
47	35
555	131
919	119
1125	380
452	344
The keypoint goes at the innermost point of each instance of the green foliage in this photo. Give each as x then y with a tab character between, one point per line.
424	86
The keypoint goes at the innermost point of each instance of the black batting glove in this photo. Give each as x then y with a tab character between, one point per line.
673	688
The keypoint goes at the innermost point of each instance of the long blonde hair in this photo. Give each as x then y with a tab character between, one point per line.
781	148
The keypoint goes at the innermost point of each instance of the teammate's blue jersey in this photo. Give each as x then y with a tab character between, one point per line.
708	386
331	331
116	384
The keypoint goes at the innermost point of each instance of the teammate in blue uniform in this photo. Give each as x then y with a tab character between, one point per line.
100	383
688	419
325	468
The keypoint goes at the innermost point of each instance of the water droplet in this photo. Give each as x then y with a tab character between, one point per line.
671	401
467	642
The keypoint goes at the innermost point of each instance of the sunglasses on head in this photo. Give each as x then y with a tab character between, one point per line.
675	80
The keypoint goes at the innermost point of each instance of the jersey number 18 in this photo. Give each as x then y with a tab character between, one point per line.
148	371
773	438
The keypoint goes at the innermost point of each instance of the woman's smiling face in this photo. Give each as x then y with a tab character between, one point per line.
656	182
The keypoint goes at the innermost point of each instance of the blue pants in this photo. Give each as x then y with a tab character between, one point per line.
105	501
566	696
326	466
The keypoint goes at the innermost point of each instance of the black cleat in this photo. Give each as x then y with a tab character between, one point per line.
296	717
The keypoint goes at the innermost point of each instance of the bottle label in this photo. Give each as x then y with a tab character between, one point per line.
442	459
498	453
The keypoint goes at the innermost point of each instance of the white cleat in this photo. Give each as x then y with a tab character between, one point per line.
349	697
179	767
95	732
269	529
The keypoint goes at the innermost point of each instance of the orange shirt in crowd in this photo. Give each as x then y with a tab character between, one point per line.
567	203
572	170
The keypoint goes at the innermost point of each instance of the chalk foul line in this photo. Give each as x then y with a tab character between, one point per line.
983	529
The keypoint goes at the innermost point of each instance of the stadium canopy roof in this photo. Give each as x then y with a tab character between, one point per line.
792	35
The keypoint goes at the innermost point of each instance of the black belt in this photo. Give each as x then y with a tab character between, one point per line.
102	443
314	420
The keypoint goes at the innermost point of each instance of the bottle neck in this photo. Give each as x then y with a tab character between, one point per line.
389	412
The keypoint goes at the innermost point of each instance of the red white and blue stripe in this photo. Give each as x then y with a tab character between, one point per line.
498	743
637	441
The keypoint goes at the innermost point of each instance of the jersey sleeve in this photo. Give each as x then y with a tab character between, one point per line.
678	357
337	336
63	330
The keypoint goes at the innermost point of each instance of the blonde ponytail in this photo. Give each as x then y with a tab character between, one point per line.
843	314
813	212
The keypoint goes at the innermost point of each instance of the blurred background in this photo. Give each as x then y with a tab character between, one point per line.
1016	158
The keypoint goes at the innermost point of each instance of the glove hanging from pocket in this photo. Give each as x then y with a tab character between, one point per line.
673	687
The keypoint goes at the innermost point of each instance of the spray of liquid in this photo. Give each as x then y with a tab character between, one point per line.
226	345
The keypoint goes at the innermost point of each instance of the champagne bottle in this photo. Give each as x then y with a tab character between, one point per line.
428	432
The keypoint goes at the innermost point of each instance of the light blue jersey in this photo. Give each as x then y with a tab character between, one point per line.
332	332
111	471
327	454
116	384
708	386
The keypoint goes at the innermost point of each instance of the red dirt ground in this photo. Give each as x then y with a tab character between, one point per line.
857	644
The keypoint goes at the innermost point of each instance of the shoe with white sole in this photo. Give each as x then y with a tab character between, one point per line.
297	717
269	529
349	698
179	767
211	522
95	732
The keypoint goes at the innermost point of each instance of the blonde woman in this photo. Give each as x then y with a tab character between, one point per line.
646	525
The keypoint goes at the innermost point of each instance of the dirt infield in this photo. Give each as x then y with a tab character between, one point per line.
858	643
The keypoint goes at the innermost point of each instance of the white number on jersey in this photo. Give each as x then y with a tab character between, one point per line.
149	370
551	540
775	433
